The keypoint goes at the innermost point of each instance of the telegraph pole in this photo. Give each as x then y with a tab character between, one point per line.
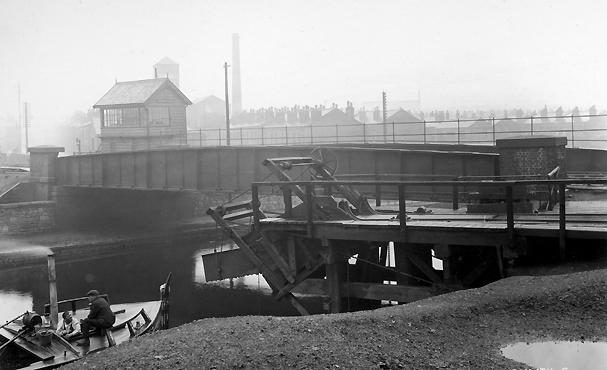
19	121
384	102
26	132
225	67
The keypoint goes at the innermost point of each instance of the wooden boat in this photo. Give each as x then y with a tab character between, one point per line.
28	344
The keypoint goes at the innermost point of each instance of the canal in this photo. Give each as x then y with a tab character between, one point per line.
135	275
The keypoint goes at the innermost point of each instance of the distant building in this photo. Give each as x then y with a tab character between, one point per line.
207	113
145	114
167	68
402	115
336	116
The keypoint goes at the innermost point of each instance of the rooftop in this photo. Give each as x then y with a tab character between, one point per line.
136	92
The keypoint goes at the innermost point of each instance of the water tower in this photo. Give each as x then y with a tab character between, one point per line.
167	68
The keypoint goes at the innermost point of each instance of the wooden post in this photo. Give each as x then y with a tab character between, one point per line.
402	214
572	133
424	131
52	282
255	201
562	223
286	134
286	193
377	192
292	253
509	208
531	125
443	252
333	278
455	197
309	210
311	134
225	67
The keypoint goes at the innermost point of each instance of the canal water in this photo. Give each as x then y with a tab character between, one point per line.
559	354
135	276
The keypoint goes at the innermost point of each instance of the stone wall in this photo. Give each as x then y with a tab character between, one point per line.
29	217
22	192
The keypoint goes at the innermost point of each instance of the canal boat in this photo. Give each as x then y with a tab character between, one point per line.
26	342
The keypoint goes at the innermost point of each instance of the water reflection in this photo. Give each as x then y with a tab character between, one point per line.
13	304
135	275
559	354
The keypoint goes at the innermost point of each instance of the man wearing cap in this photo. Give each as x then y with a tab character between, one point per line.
100	316
69	326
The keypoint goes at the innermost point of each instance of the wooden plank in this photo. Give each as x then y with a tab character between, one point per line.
283	266
239	215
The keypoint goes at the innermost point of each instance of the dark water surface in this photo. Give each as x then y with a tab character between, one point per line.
135	276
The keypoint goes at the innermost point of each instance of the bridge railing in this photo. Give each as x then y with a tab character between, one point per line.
401	186
586	131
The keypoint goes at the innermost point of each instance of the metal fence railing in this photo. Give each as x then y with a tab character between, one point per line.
402	188
584	131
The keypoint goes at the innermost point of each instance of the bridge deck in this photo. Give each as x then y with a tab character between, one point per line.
487	229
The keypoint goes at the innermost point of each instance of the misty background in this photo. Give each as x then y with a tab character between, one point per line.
478	55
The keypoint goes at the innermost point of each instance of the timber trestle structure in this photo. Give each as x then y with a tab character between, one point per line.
329	241
260	249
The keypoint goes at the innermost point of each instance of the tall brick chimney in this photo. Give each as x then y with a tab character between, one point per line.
236	89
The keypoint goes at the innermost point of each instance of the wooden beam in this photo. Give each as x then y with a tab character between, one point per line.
292	253
562	223
334	279
414	234
372	291
299	278
283	266
424	267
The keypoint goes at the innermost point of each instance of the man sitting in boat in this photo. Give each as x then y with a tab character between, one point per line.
100	316
69	326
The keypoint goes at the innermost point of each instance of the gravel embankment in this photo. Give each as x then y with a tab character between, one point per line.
461	330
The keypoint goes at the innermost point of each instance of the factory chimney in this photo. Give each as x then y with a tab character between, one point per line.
236	89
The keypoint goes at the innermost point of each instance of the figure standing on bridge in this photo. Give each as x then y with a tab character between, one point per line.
100	317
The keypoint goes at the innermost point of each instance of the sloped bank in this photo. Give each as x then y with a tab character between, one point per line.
461	330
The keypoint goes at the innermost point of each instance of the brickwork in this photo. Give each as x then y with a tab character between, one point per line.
26	218
531	155
531	161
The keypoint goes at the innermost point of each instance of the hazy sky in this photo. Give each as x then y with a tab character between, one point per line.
460	54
